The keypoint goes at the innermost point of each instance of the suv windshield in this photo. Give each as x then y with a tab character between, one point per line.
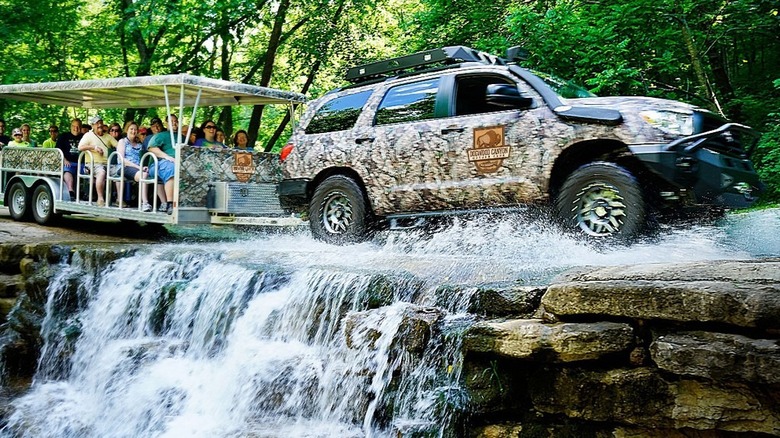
564	88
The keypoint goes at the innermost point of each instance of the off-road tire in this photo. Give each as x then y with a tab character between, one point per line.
42	205
19	201
337	211
602	199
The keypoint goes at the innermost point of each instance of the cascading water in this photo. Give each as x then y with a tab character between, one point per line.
282	336
176	343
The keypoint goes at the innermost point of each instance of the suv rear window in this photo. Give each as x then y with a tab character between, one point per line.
339	114
408	103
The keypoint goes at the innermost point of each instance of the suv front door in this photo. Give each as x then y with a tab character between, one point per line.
453	148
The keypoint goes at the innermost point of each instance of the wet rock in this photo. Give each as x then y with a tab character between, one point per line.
562	342
10	285
513	300
498	431
641	397
492	385
741	304
363	329
718	356
382	289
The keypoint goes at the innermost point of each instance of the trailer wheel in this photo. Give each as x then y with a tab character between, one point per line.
19	201
43	204
602	199
337	211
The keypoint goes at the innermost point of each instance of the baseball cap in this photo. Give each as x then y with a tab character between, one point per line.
16	131
143	131
155	121
94	119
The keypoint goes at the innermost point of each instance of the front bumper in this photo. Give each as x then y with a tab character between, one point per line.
710	168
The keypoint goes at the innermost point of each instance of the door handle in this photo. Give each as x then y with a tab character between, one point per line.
362	140
450	130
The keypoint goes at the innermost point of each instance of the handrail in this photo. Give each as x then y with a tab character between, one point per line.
143	182
79	176
121	178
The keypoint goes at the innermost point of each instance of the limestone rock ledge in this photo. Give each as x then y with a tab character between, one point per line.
684	350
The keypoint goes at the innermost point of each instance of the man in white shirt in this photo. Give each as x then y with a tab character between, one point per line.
99	144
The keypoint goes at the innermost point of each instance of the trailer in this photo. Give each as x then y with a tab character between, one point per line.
210	186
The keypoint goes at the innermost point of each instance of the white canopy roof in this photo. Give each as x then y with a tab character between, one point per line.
147	92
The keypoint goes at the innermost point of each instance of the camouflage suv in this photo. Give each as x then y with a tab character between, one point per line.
455	130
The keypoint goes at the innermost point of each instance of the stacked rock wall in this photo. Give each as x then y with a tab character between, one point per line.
651	350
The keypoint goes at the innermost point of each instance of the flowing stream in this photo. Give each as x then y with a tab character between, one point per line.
282	336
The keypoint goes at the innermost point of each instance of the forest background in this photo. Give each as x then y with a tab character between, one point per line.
723	55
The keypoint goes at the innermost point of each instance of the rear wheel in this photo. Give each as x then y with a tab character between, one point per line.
43	205
18	201
337	211
602	199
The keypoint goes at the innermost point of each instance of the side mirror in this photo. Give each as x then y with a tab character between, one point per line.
506	96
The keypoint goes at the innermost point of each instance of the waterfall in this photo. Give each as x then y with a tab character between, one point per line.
202	342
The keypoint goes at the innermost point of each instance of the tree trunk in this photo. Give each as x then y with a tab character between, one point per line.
270	57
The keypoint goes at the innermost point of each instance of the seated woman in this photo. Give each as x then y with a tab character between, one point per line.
129	150
241	141
209	139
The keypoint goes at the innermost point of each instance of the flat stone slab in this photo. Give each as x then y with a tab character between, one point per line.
559	342
642	397
718	356
740	293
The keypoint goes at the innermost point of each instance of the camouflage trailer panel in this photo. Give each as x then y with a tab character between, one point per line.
200	166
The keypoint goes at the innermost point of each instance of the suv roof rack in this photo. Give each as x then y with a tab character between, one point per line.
443	56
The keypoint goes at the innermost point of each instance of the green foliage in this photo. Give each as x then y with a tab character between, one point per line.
767	161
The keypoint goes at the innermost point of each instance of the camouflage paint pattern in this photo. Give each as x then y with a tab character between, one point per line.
33	159
413	166
200	166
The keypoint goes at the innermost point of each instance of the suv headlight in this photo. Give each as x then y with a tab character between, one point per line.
670	122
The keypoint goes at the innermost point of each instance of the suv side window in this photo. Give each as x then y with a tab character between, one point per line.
408	103
339	114
470	94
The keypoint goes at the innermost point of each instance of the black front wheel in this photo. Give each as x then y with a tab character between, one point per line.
18	201
337	211
602	199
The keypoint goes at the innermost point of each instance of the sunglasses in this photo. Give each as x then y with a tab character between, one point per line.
211	127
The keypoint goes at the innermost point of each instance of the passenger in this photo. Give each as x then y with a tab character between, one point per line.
221	136
127	125
241	141
195	135
130	150
68	143
26	136
99	144
160	145
85	129
4	139
209	140
51	142
155	126
143	134
115	131
17	141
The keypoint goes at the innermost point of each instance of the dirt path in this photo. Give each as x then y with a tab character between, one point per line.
72	228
